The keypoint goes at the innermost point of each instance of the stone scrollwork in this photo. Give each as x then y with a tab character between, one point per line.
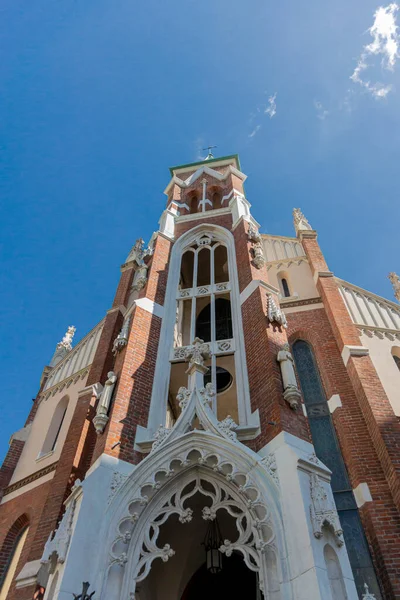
269	463
275	314
183	397
228	427
291	392
322	511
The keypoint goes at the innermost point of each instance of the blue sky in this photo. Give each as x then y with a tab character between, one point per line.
98	98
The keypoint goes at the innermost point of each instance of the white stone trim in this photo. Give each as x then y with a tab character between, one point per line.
301	308
253	285
150	306
28	574
204	170
27	487
203	215
362	494
334	402
353	351
22	434
303	406
319	274
158	406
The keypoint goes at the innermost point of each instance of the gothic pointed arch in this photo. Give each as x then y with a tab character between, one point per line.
203	238
229	476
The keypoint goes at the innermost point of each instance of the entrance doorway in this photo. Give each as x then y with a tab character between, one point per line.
234	581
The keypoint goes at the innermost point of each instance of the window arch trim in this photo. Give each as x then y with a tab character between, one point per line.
162	373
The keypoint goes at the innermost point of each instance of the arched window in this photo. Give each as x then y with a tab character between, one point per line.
283	284
216	199
328	451
55	428
335	576
193	203
13	546
396	356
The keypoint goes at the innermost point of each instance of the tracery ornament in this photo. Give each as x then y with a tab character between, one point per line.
300	221
197	352
395	281
252	520
275	314
323	511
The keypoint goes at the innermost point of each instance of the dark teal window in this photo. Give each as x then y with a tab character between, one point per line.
328	451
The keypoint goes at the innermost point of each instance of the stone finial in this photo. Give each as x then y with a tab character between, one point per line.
197	353
395	281
63	347
367	594
300	221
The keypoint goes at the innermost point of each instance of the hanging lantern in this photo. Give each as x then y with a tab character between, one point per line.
212	543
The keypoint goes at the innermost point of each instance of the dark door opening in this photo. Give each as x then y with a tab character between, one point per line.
235	581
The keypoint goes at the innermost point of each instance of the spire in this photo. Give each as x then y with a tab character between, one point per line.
300	221
63	347
395	280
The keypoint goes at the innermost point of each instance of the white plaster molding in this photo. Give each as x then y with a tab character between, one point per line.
150	306
28	574
86	390
353	351
253	285
303	406
201	216
389	303
334	402
22	434
27	487
294	309
362	494
321	274
167	224
207	171
248	218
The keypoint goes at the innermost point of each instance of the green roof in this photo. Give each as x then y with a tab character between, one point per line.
210	160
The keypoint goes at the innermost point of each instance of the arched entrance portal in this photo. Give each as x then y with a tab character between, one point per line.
234	581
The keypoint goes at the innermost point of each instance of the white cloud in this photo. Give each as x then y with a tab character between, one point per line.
271	108
322	113
385	43
255	131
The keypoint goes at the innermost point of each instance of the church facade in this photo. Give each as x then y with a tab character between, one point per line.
229	429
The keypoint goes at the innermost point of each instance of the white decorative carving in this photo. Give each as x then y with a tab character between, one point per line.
323	511
160	435
122	338
275	314
66	342
269	463
395	281
367	594
207	394
100	420
314	459
204	239
221	287
258	255
300	222
228	427
291	392
203	290
253	233
59	539
140	278
116	482
224	345
180	353
184	293
197	352
183	397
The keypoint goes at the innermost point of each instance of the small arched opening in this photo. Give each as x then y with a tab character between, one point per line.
283	280
55	428
335	576
396	355
11	553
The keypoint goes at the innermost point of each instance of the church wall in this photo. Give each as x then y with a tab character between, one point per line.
298	276
380	351
361	458
30	460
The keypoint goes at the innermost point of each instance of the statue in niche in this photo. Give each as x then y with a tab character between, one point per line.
105	397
